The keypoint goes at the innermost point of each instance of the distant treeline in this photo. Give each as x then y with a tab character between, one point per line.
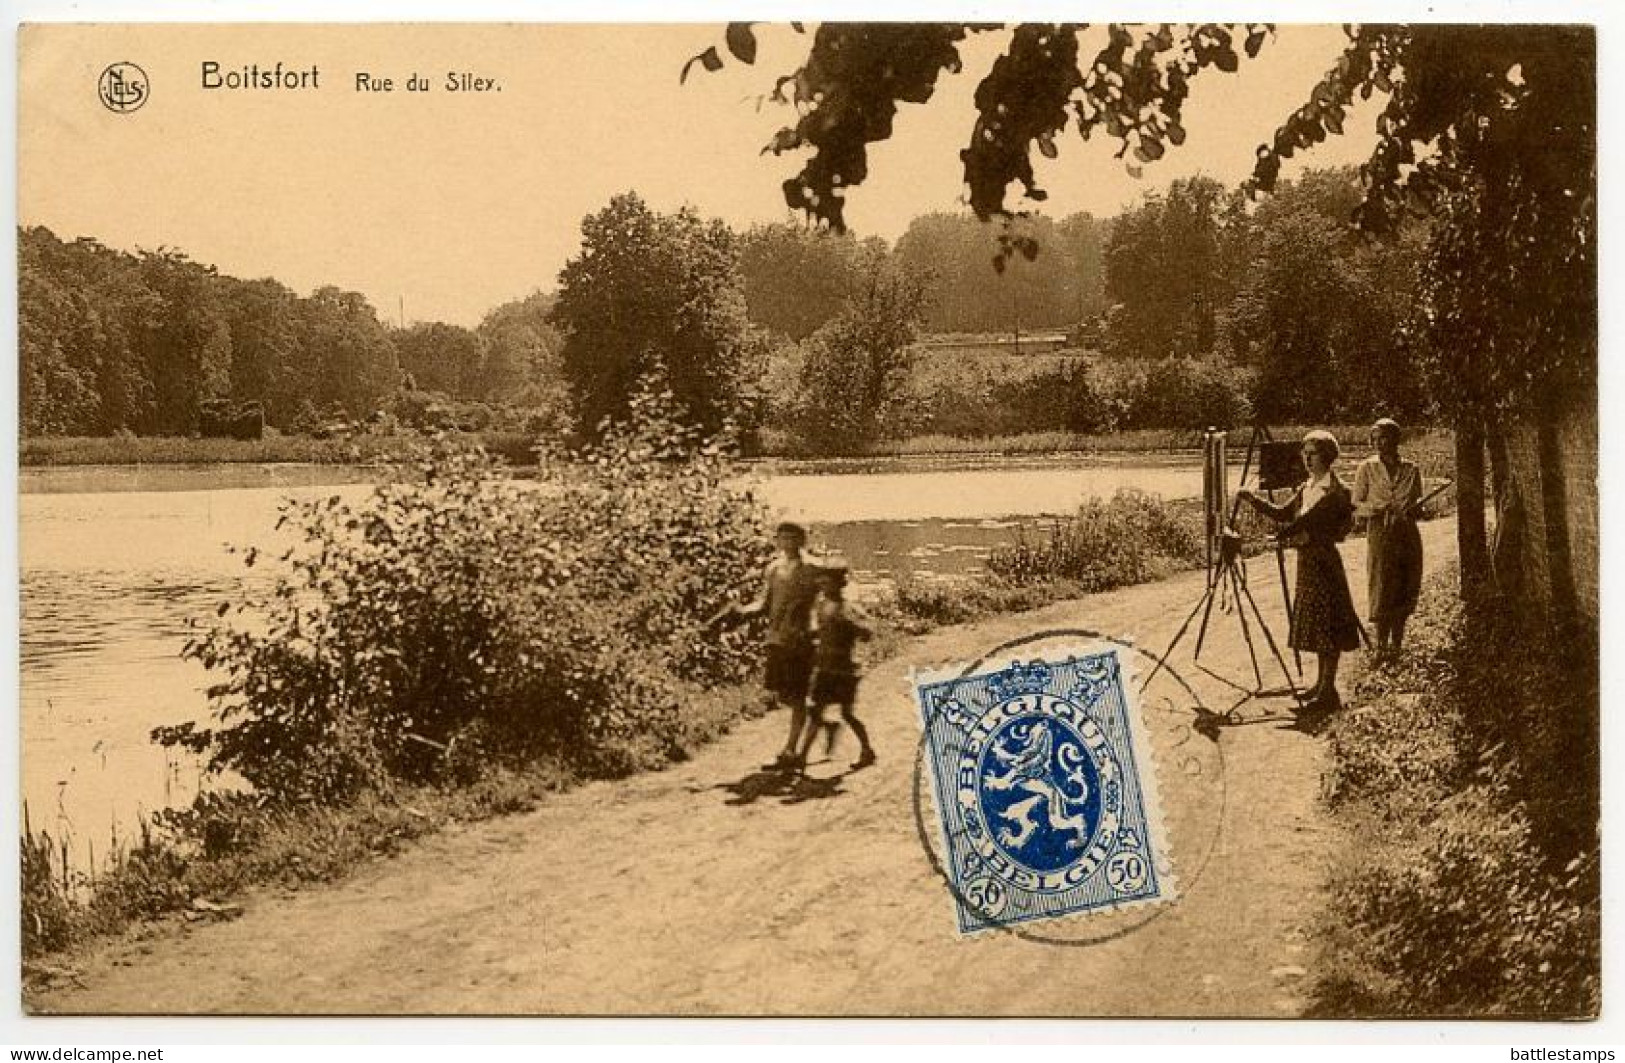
1193	305
1322	316
796	281
111	342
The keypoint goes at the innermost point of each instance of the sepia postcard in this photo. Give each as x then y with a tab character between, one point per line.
886	519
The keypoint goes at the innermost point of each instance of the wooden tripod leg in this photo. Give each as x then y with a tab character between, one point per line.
1247	467
1201	632
1205	600
1239	585
1286	596
1269	639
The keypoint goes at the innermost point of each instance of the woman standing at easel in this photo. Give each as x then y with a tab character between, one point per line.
1313	522
1388	493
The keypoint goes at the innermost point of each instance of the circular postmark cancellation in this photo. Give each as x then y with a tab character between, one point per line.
122	87
1048	771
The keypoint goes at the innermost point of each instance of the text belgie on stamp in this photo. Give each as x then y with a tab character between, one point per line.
1045	789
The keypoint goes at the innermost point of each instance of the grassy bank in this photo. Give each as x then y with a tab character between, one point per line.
1431	448
1469	773
192	863
516	447
1128	539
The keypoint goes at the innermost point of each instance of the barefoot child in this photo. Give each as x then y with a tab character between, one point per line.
786	598
835	674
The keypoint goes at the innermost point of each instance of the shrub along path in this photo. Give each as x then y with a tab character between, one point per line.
702	890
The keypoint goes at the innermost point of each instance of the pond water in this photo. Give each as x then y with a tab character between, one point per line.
116	560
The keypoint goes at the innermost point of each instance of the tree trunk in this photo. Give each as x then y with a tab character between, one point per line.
1471	538
1554	505
1500	466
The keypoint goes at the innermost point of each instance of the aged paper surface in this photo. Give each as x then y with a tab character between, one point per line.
506	733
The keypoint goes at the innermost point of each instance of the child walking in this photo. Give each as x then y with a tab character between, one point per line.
786	598
838	627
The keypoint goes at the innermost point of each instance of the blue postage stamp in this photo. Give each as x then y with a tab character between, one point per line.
1044	786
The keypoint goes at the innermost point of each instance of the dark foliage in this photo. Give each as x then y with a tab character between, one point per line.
463	615
112	342
157	344
1490	128
1470	769
1133	88
657	295
856	369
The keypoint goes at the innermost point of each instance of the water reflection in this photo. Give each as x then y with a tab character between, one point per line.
881	551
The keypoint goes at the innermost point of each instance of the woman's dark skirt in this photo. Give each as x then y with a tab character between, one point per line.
1323	616
1394	560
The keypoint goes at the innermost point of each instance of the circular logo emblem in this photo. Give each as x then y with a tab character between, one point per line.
123	88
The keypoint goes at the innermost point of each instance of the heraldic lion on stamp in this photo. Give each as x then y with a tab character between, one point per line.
1045	791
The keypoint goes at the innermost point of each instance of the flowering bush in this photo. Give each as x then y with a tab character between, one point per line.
458	616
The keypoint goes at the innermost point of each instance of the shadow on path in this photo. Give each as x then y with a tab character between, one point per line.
789	788
1312	723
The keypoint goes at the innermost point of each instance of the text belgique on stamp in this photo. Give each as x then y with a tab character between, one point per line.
1045	789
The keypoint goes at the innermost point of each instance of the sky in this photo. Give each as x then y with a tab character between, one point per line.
442	205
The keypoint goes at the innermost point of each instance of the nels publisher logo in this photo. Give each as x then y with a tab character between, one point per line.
123	88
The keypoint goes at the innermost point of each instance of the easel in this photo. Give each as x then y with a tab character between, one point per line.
1227	574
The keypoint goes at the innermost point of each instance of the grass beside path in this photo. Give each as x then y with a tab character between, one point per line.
211	852
804	900
1468	771
187	860
769	898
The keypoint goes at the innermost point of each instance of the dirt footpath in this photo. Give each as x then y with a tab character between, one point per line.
713	888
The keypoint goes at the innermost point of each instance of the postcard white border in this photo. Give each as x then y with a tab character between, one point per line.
425	1038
